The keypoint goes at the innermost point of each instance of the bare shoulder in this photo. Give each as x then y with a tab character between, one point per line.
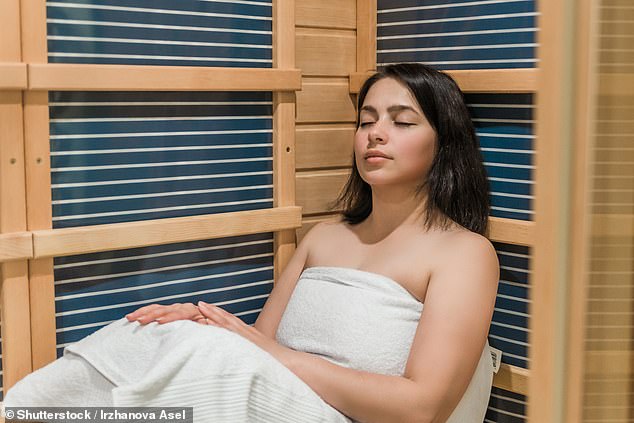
323	238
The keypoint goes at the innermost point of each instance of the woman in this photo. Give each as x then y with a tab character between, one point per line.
415	210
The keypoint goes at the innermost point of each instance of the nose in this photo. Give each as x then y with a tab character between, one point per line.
377	134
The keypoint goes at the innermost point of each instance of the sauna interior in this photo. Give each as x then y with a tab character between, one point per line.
177	151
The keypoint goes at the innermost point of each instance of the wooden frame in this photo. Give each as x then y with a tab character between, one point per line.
489	81
16	246
13	76
72	77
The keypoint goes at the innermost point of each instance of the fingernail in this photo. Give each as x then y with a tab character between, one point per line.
202	304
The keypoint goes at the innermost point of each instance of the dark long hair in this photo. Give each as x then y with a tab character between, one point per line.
457	187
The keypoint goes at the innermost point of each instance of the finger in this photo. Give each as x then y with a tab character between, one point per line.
153	315
213	314
140	312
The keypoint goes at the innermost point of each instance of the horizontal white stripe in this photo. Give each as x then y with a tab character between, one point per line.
254	3
150	301
507	413
155	42
159	194
140	211
515	356
513	166
447	6
510	341
513	327
514	269
154	26
501	106
157	103
514	181
171	282
494	135
506	194
507	253
468	47
459	19
158	119
456	34
157	134
512	312
503	120
206	291
161	269
505	150
158	164
515	284
506	209
152	57
159	149
152	180
157	11
508	297
163	254
507	398
469	62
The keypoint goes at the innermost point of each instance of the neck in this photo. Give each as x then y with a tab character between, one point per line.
393	208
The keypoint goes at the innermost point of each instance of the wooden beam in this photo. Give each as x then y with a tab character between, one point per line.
80	77
484	80
118	236
366	35
13	76
511	231
16	246
512	378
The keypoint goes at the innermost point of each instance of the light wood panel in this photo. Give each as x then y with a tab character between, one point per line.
512	378
615	84
485	80
13	76
317	190
16	246
511	231
324	145
366	35
325	100
14	290
325	51
326	13
80	77
118	236
38	185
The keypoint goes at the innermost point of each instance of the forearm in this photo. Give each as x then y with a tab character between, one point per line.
363	396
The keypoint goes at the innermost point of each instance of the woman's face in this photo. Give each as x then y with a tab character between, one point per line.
394	144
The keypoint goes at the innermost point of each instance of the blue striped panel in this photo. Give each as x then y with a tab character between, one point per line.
457	34
509	328
118	157
506	407
504	124
92	290
161	32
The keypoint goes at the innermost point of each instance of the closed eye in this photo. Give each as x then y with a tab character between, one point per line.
404	124
364	124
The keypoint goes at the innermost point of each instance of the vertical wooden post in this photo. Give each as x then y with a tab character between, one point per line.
283	127
38	185
366	35
559	290
14	292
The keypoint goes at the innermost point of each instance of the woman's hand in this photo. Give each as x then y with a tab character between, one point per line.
216	316
166	313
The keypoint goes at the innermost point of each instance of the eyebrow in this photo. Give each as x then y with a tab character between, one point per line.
391	109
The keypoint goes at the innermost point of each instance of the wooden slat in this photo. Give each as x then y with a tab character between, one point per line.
16	246
484	80
328	52
615	84
80	77
325	100
38	186
14	292
317	190
13	76
283	129
118	236
366	35
339	14
324	145
512	231
512	378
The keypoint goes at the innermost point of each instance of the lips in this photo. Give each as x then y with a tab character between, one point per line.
375	153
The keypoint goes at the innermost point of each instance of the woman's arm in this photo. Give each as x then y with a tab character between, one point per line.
446	349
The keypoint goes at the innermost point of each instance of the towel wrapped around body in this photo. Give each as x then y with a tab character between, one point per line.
351	317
